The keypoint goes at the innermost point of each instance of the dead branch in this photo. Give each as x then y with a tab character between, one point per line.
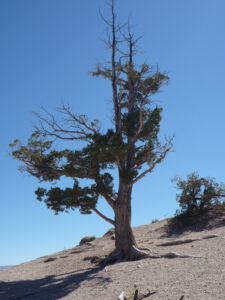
103	216
110	201
70	127
146	295
134	139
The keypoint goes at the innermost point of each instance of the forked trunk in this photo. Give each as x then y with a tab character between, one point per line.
123	231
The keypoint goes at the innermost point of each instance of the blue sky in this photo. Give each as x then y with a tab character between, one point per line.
47	49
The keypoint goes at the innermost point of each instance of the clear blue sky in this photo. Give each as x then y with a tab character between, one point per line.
47	49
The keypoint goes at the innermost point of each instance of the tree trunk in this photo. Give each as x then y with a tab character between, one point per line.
123	232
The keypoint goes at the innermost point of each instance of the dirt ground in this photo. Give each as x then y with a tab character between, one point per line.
70	275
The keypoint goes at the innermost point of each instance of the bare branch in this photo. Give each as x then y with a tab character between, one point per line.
82	121
103	216
134	139
107	22
70	127
109	201
117	111
130	38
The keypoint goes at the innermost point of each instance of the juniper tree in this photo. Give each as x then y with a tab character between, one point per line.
132	145
198	193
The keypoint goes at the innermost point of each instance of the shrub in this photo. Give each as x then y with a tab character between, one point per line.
199	199
198	193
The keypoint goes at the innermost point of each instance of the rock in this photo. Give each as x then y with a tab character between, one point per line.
87	239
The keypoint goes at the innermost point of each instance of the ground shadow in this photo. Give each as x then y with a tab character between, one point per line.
50	259
51	287
177	227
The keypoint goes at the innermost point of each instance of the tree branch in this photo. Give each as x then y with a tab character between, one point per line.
114	73
103	216
81	120
70	128
109	201
134	139
165	149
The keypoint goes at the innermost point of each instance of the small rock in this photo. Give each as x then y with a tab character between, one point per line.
87	239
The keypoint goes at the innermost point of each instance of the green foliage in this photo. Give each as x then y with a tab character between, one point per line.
48	165
106	146
151	124
132	293
59	200
128	175
36	161
198	193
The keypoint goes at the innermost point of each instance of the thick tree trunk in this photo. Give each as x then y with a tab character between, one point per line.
123	232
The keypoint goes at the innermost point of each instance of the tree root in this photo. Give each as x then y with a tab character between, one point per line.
141	254
137	253
144	248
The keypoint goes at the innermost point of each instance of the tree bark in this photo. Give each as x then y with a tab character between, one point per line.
124	238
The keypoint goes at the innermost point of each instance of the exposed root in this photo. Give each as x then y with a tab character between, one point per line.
137	253
144	248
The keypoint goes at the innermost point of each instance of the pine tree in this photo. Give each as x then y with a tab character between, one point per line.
132	146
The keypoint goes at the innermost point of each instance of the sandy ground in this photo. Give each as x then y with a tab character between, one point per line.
70	275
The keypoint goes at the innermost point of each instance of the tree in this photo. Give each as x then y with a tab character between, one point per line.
132	146
198	193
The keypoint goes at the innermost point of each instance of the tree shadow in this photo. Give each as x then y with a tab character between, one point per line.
51	287
179	225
